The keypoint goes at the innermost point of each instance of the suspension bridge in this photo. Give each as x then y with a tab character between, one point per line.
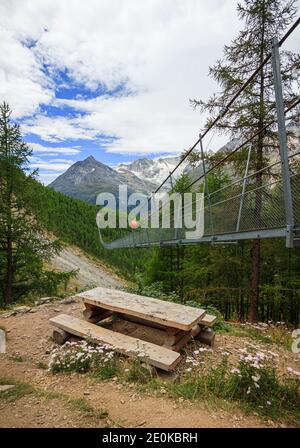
260	203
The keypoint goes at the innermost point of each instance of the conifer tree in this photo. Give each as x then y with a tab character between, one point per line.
23	245
262	20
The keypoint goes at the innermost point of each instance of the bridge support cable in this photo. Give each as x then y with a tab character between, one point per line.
206	186
243	189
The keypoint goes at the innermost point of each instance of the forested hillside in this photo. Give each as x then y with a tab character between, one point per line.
74	222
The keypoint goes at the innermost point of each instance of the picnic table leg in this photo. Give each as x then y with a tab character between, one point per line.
175	339
172	336
204	334
60	336
95	314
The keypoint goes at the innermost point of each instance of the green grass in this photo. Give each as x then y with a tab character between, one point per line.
281	337
42	365
273	335
18	391
251	333
277	398
17	358
220	393
81	405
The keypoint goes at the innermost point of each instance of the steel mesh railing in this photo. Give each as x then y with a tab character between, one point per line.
231	210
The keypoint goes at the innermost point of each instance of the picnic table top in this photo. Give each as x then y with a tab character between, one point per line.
165	313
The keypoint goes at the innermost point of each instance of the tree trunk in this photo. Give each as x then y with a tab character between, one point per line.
8	280
255	274
8	293
255	249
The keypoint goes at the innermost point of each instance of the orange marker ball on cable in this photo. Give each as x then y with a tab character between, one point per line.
134	224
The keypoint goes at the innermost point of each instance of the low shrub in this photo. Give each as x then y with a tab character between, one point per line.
84	357
254	381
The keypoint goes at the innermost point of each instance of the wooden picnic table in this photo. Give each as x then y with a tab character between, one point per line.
176	323
176	320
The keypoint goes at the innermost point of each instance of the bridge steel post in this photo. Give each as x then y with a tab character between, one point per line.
287	191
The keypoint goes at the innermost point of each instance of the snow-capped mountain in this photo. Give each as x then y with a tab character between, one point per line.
153	170
86	178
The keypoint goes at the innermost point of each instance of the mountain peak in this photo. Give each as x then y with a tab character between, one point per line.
90	159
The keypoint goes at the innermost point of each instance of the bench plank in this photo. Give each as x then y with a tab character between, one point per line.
208	320
160	357
165	313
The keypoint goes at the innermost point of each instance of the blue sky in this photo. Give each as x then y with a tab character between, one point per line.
110	79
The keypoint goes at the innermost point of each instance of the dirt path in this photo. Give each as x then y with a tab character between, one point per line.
35	411
28	348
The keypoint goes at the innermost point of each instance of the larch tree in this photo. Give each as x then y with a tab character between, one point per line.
23	244
255	107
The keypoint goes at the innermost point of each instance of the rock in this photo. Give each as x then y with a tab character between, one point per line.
33	310
9	314
67	301
22	309
6	387
141	423
43	300
86	392
263	324
122	401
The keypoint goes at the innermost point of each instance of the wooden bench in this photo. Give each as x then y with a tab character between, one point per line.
208	320
156	355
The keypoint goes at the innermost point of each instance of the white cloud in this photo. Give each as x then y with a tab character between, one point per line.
22	81
50	165
161	50
57	129
50	150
